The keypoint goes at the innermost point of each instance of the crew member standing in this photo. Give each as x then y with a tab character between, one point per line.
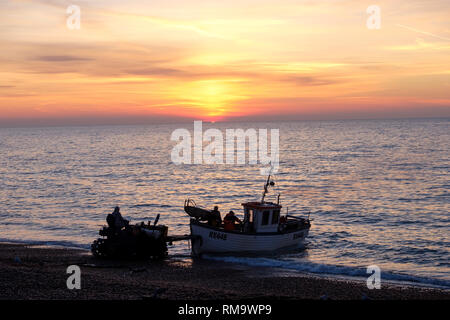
214	218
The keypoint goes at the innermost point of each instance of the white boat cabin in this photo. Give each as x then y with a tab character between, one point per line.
261	217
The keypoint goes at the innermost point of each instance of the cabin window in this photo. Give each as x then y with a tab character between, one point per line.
265	218
250	215
275	216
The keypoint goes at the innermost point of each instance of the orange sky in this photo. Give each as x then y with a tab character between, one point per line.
218	60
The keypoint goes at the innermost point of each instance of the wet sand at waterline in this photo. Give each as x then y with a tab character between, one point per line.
33	272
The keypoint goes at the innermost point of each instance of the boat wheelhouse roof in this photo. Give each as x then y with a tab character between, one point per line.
262	205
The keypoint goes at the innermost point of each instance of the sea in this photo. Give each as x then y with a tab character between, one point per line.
377	191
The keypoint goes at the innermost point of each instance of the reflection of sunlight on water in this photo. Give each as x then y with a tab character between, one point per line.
185	263
377	192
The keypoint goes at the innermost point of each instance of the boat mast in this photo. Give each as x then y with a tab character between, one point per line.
266	187
268	183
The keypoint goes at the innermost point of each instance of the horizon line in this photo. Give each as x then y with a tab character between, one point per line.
85	123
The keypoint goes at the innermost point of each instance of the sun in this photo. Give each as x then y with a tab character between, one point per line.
214	97
210	99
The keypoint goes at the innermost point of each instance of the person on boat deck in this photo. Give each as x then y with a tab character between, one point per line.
229	221
214	218
119	221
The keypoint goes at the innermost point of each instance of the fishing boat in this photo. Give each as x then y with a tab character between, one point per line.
263	228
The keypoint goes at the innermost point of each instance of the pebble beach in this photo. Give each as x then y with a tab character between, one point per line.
40	273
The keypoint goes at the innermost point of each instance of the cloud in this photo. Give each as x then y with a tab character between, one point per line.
423	32
18	95
61	58
309	80
420	44
154	71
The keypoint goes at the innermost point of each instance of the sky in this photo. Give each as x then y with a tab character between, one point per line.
214	60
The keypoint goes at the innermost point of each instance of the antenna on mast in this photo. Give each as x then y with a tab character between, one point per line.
268	183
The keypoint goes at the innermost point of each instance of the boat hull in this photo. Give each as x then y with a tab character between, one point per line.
212	240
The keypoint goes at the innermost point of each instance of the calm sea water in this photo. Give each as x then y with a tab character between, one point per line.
378	191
